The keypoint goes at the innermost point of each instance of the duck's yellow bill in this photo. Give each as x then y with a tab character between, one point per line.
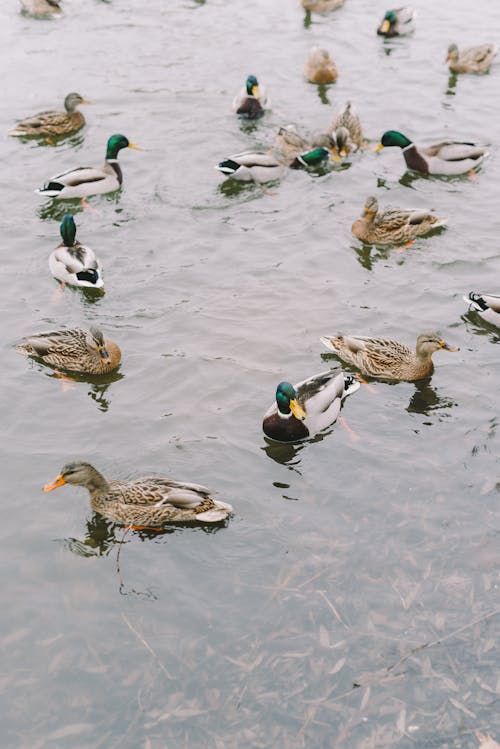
335	157
58	481
255	91
378	148
297	410
136	148
385	26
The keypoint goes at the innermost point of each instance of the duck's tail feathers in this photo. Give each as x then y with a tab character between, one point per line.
50	189
476	301
327	341
228	166
351	384
220	512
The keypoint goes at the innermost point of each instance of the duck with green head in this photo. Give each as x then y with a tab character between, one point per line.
87	180
307	408
53	123
251	101
445	158
397	22
74	263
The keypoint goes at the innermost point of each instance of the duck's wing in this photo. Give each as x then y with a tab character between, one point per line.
317	392
79	176
76	258
55	342
152	490
481	53
454	150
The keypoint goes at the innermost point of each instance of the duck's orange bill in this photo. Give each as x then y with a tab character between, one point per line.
136	148
377	148
58	481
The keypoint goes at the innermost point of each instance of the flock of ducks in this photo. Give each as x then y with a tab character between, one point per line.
309	407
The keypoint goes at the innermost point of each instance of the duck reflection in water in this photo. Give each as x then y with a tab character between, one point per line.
99	384
426	399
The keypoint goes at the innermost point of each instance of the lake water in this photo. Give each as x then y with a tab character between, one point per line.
300	624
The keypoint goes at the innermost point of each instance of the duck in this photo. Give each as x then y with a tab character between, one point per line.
450	158
142	503
393	225
52	122
348	120
486	305
41	7
320	68
252	166
90	180
74	349
251	101
307	408
397	22
72	262
321	6
471	59
290	143
388	359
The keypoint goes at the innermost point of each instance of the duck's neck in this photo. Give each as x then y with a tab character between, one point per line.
116	168
96	483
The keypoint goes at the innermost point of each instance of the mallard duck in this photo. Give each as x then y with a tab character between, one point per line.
290	143
393	225
385	358
303	410
486	305
321	6
259	167
313	158
471	59
251	101
397	22
446	158
144	502
348	118
52	122
72	262
88	180
320	68
41	7
75	350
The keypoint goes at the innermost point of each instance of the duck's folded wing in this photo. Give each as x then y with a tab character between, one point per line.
449	151
49	343
80	176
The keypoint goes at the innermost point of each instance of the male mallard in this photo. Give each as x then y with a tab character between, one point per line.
41	7
143	502
347	118
52	122
397	22
251	101
320	68
321	6
447	158
290	143
394	225
471	59
259	167
303	410
486	305
72	262
385	358
76	350
88	180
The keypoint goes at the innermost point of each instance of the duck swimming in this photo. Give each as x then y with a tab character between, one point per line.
397	22
90	180
446	158
53	123
471	59
304	409
320	68
72	262
143	502
486	305
393	225
76	350
251	101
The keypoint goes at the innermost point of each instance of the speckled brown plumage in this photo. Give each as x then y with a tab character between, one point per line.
320	68
393	225
76	350
348	118
471	59
53	123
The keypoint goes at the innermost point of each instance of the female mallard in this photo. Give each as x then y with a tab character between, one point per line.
251	101
446	158
320	68
394	225
390	360
397	22
486	305
471	59
51	122
347	118
290	143
303	410
75	350
72	262
144	502
41	7
88	180
321	6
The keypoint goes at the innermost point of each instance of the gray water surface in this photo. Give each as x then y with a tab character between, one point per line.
291	626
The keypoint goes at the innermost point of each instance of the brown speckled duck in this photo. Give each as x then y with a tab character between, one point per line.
53	123
385	358
393	225
76	350
143	502
321	6
471	59
347	118
320	68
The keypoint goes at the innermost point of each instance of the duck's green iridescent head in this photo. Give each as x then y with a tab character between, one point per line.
286	398
68	230
315	157
116	143
252	85
393	138
389	20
